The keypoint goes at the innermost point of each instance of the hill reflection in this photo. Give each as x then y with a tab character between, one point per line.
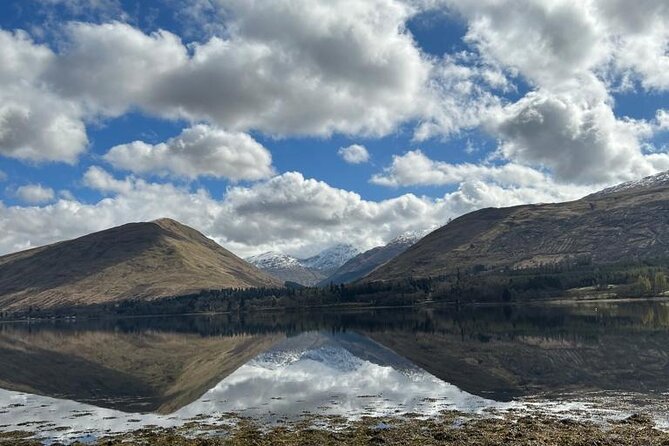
499	353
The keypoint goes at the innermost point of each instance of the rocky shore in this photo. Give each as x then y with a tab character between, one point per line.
451	428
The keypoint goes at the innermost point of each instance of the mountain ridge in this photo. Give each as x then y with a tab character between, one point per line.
628	221
145	260
365	262
308	271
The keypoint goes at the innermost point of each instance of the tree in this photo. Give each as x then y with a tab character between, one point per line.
643	285
659	283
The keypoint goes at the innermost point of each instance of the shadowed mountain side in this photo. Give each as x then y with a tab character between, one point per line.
620	224
147	372
507	360
366	262
137	260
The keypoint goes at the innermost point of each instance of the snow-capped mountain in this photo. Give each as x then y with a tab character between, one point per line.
332	258
409	238
360	265
341	351
303	271
657	180
273	259
334	357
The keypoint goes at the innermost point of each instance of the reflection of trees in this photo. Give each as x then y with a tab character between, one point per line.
584	321
505	349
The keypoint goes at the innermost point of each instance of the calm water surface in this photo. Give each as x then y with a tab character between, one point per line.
77	380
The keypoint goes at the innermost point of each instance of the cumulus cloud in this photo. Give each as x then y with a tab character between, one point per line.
288	212
574	55
354	154
662	120
200	150
464	90
35	193
284	68
579	143
99	179
35	123
414	168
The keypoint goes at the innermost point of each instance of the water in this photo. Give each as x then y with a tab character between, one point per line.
78	380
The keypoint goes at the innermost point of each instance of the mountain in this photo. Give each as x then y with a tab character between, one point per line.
626	222
307	271
328	260
362	264
286	268
149	371
150	260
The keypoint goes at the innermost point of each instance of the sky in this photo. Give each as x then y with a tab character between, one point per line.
294	125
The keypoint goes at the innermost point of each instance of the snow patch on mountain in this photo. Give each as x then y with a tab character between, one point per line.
328	259
331	258
333	357
409	238
657	180
273	260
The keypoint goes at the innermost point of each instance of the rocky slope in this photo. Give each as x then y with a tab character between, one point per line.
626	222
137	260
362	264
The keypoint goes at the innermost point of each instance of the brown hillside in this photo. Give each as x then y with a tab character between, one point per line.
628	223
137	260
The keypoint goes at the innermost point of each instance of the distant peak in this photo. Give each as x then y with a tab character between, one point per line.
659	179
166	221
409	237
170	224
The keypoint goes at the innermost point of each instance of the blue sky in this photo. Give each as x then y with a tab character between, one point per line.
232	115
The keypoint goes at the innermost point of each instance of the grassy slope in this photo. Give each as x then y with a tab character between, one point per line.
607	228
137	260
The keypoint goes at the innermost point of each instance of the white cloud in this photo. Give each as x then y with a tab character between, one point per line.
462	90
35	193
546	42
578	142
287	213
200	150
662	120
574	55
35	123
88	9
3	176
285	68
414	168
110	67
354	154
99	179
282	68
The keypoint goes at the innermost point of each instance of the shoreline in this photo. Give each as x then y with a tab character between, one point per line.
563	300
447	428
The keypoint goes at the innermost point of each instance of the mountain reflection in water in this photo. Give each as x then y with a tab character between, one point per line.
107	375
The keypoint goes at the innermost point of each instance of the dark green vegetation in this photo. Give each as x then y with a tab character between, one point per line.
573	278
450	429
